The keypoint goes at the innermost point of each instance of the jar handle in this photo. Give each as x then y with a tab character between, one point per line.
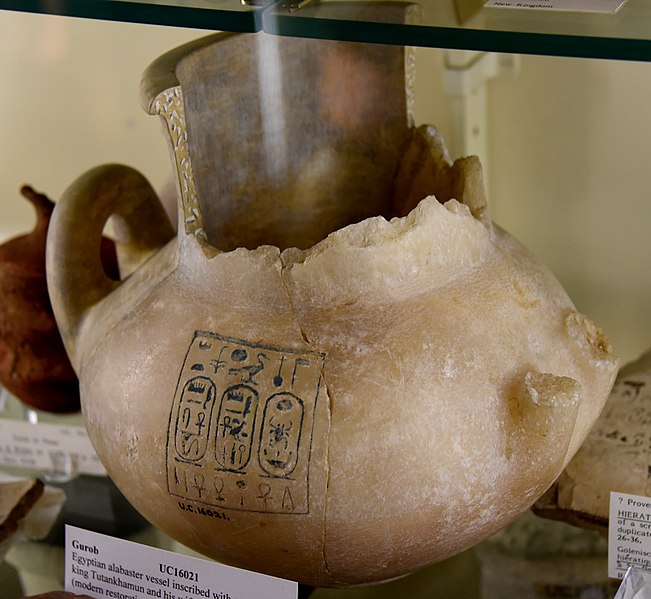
75	275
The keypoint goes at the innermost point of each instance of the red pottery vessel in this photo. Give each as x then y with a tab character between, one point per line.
34	365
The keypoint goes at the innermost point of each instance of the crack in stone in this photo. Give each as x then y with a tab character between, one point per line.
327	489
285	269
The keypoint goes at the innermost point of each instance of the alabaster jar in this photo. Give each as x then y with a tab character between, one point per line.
340	370
614	457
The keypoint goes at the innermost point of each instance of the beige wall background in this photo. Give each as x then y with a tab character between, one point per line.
69	100
569	147
570	159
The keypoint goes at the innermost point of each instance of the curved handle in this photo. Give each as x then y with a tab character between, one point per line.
75	275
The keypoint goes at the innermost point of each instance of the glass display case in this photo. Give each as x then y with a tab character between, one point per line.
564	130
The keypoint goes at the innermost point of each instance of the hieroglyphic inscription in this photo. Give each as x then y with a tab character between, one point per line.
240	430
235	427
280	434
195	409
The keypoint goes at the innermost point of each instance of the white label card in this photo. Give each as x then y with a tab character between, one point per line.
102	566
44	446
629	533
610	6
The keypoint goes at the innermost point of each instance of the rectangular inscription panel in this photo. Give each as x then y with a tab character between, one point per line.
241	425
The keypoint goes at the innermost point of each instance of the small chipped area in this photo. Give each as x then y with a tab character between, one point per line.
132	446
449	369
544	389
590	337
524	295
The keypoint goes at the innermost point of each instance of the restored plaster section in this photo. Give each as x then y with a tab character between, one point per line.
169	106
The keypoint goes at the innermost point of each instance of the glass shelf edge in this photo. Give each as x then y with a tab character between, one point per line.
274	19
458	39
239	19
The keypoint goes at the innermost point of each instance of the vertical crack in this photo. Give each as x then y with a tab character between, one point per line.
285	270
327	489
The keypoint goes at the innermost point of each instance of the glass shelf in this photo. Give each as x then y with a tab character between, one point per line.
461	24
218	15
433	23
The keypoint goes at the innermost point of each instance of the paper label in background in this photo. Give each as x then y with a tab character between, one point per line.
103	566
629	533
54	447
608	6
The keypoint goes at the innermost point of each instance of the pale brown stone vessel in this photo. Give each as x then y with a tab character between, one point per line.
386	396
616	456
